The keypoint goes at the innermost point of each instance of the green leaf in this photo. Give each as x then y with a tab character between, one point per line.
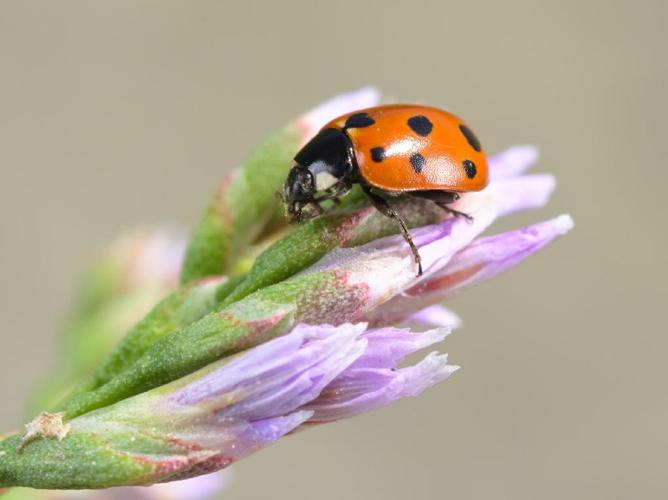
216	335
242	206
179	309
79	461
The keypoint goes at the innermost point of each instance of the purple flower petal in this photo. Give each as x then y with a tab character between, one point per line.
527	192
488	257
510	195
435	315
366	389
278	376
388	347
374	380
266	431
512	162
481	260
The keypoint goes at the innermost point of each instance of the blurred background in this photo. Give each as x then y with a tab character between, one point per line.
123	114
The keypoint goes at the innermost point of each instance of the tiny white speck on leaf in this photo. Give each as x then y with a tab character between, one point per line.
48	425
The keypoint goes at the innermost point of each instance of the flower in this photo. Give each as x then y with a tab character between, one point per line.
226	411
306	335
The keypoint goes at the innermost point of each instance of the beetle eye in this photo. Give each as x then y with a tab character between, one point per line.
299	185
306	180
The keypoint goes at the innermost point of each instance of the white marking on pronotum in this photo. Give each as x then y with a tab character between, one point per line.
324	180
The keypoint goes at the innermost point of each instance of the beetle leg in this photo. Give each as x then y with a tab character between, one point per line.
325	197
443	199
456	213
310	208
334	193
382	205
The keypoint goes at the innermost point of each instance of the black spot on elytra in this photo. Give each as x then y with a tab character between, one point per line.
417	160
378	154
470	137
421	125
470	169
359	120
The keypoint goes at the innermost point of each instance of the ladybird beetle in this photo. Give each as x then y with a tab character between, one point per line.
389	150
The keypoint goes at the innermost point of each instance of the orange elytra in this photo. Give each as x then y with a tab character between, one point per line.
395	149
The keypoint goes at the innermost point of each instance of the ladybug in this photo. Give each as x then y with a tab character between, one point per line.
388	150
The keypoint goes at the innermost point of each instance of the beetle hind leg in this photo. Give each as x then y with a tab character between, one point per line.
456	213
443	199
382	205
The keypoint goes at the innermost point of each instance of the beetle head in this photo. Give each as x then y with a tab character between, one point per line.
298	194
323	165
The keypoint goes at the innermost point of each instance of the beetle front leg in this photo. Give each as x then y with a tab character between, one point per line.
309	211
334	193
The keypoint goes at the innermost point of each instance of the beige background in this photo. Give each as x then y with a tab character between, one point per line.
121	113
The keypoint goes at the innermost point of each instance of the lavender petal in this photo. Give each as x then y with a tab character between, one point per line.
435	316
512	162
278	376
373	380
481	260
363	390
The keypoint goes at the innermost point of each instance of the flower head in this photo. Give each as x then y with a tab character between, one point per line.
306	335
231	408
